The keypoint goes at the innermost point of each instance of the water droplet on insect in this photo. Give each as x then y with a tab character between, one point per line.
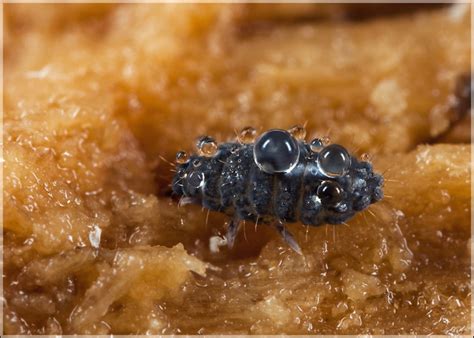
366	157
181	157
276	151
247	135
334	160
206	146
298	132
234	149
196	163
330	193
316	145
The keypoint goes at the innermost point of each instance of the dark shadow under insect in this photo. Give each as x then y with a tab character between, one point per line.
276	179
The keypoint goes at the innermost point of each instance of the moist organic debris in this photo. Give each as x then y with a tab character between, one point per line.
99	98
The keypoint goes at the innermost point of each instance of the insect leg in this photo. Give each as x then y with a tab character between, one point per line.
232	231
287	236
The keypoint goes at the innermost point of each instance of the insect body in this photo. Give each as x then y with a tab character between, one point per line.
276	179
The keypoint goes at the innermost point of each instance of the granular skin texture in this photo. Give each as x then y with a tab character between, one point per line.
98	99
236	186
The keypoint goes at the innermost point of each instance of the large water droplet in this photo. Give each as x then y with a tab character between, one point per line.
276	151
206	146
247	135
334	160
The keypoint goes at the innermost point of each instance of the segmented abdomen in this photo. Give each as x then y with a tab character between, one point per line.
234	184
277	177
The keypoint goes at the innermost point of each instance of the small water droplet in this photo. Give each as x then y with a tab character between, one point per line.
316	145
247	135
234	148
206	146
181	157
366	157
196	163
298	132
326	140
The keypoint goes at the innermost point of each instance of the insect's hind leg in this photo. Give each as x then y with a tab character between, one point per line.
287	236
232	231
